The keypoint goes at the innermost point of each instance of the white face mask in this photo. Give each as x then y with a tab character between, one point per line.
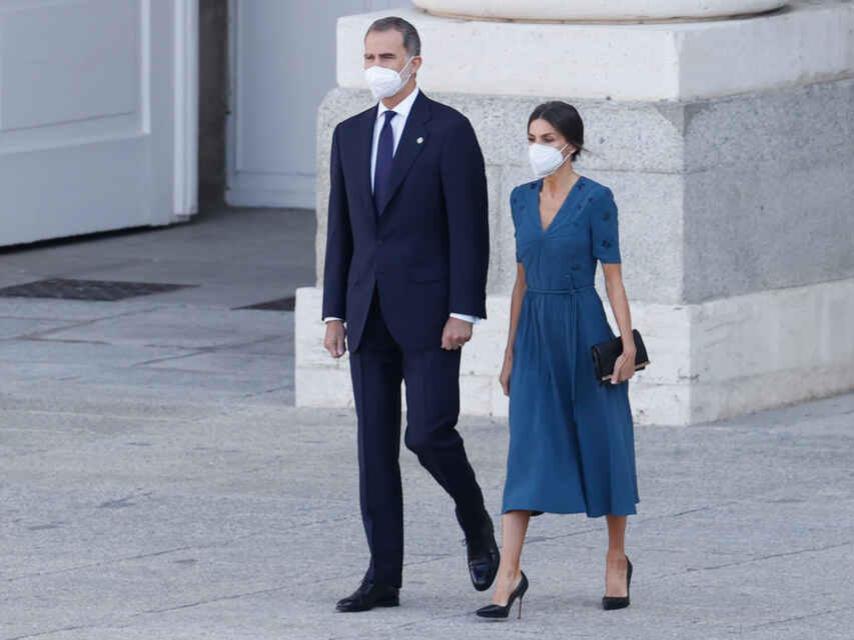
385	82
545	159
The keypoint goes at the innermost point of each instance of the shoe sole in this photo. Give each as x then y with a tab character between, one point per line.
388	603
382	603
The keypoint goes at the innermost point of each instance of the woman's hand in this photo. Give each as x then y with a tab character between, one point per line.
504	377
624	366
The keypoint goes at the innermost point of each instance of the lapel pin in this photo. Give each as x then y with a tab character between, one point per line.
420	140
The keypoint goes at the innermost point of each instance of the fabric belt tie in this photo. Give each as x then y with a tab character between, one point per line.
560	291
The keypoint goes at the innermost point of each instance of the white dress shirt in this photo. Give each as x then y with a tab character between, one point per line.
398	122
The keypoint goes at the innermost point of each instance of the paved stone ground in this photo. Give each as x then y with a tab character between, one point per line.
158	483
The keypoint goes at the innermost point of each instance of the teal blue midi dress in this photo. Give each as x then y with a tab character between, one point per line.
571	444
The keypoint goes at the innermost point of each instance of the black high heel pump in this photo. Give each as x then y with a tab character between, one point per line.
619	602
502	611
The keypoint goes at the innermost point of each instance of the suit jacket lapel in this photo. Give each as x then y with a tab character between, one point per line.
366	139
412	141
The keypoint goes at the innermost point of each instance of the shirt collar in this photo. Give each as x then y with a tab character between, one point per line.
403	108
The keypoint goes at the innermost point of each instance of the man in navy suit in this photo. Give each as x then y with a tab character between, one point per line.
407	251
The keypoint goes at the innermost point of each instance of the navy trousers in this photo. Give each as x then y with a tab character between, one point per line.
433	403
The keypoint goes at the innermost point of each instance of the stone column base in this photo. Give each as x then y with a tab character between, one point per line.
709	361
732	178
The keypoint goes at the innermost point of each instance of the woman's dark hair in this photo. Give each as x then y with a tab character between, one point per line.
566	121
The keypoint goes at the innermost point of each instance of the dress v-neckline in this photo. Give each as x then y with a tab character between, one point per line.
538	191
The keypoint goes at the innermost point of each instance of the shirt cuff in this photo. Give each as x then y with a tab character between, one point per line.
467	318
327	319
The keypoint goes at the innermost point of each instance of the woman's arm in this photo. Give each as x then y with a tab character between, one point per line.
624	367
605	239
515	307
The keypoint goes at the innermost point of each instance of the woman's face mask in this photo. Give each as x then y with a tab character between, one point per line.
545	159
385	82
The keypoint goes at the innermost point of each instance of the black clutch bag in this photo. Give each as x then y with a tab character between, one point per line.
605	354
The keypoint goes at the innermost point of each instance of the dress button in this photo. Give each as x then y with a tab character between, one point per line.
606	243
606	215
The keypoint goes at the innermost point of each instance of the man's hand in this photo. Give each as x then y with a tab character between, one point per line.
334	339
456	333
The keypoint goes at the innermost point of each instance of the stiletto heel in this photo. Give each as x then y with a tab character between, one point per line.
619	602
503	611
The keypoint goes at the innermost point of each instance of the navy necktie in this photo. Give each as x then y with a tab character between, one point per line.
385	154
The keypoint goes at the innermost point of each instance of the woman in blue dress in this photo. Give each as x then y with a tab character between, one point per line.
571	438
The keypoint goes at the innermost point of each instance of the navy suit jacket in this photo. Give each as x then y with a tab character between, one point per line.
427	248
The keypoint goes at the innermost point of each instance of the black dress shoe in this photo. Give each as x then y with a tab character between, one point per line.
482	555
619	602
368	596
502	611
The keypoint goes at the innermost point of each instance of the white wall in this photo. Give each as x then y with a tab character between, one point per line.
97	115
283	63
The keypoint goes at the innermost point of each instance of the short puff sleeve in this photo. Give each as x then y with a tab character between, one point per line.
604	230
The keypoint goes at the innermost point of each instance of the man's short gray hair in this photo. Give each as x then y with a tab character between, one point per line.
411	39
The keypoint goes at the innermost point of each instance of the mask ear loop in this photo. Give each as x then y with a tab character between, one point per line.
565	157
400	73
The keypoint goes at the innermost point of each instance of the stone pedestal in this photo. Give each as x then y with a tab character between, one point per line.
732	176
590	10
